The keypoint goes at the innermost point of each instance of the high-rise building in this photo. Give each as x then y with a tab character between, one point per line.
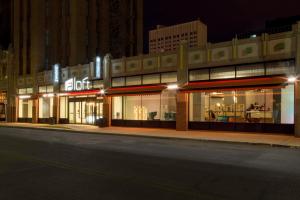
168	38
4	23
71	32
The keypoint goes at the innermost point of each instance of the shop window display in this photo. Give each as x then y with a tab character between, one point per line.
244	106
145	107
25	108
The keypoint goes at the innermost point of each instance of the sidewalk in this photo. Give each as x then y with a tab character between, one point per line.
220	136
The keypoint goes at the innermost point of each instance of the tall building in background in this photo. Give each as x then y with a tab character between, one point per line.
168	38
4	23
71	32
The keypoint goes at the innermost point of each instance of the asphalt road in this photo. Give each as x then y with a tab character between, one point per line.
41	165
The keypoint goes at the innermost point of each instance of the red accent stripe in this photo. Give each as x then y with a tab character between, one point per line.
89	92
153	87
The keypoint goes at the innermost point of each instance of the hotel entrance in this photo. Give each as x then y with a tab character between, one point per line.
85	110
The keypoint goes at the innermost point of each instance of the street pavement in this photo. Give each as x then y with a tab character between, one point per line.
42	164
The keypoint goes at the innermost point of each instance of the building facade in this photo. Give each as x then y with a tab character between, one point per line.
46	32
241	85
165	39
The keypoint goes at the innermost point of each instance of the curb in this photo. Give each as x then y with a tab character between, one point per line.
150	136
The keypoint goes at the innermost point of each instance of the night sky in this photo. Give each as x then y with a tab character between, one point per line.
224	18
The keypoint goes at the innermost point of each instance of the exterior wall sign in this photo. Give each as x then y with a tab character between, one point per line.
98	67
77	85
56	73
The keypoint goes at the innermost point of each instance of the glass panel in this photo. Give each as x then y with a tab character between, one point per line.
222	106
281	101
117	108
25	108
151	106
45	108
199	75
222	73
278	68
199	107
169	77
250	70
83	108
50	89
29	90
90	113
63	109
22	91
72	112
252	107
151	79
288	104
78	112
42	89
134	80
133	109
168	105
118	82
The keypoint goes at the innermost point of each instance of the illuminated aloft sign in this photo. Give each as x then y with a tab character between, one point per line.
77	85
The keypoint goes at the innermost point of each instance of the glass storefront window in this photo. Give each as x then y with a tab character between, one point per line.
169	77
25	108
145	107
133	109
63	107
118	82
151	79
250	71
45	108
222	73
151	106
199	75
168	105
117	107
244	106
133	80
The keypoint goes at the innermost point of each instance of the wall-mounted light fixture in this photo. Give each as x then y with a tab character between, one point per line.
292	79
172	87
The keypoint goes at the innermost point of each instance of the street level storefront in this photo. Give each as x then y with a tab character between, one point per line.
81	101
25	105
3	103
144	101
236	102
76	102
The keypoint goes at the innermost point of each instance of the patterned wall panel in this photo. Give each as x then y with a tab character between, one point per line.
133	66
169	61
221	54
196	57
150	63
117	67
281	46
248	50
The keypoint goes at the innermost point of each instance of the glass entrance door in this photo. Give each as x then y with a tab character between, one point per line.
85	111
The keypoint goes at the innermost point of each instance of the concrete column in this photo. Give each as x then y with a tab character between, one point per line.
35	110
182	118
107	110
297	84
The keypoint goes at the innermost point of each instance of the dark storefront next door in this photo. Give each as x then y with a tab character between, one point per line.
3	101
2	112
84	111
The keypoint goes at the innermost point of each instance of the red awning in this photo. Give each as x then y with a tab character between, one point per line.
263	82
